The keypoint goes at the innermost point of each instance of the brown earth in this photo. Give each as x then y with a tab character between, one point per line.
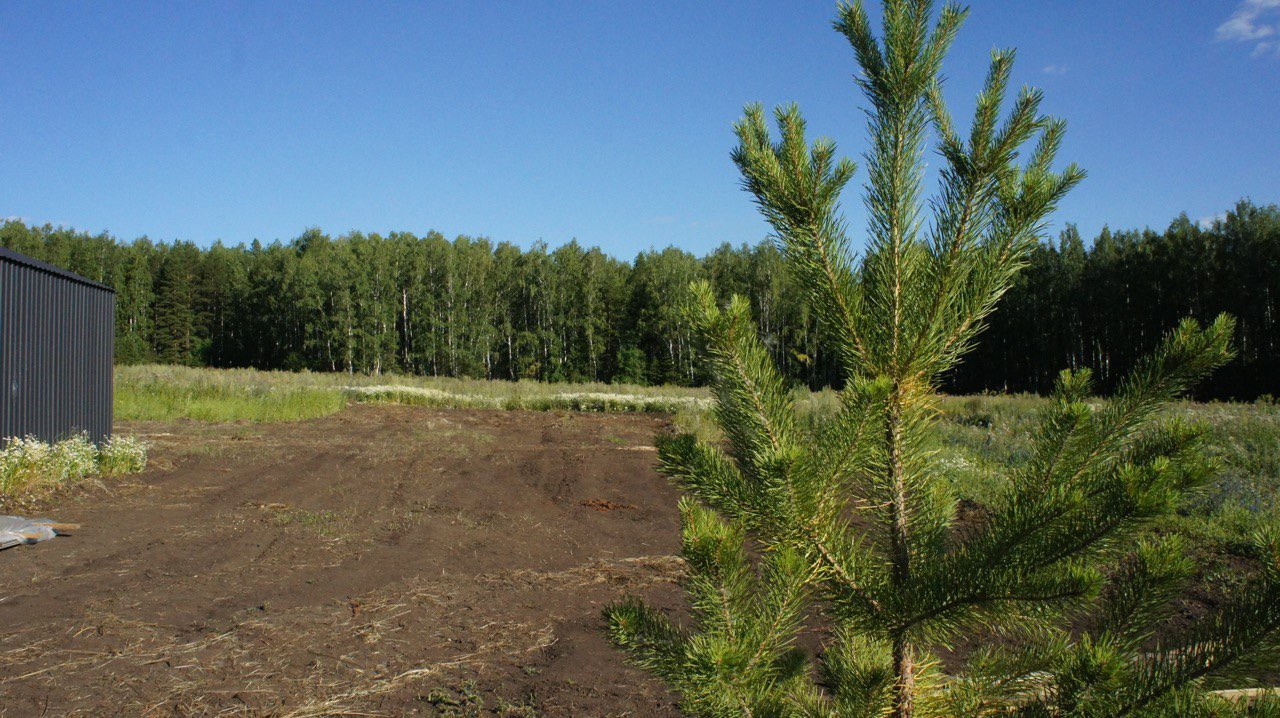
386	560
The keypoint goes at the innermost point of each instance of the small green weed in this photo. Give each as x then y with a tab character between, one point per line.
321	522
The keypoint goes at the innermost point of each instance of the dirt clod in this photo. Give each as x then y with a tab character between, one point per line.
606	505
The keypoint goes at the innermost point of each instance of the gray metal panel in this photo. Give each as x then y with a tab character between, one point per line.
57	346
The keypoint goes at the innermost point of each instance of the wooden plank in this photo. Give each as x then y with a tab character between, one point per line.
1247	695
60	527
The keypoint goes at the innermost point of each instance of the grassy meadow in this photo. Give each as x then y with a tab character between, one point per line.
162	392
979	438
983	435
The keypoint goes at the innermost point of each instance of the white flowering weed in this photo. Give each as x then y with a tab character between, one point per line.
122	455
29	466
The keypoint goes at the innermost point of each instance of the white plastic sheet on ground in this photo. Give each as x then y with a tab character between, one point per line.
15	531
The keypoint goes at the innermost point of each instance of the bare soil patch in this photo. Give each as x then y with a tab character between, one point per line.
385	560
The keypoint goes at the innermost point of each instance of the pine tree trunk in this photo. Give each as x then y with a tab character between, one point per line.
903	652
904	668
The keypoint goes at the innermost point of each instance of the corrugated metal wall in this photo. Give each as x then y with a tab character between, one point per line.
57	345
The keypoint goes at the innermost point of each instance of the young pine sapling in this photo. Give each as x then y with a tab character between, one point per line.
849	533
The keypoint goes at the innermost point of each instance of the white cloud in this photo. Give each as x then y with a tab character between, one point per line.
1254	21
1264	48
1208	222
1055	69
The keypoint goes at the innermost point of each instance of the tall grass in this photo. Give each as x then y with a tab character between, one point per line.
540	399
153	392
985	436
170	392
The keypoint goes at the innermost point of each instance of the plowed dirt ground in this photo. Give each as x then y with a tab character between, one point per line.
383	561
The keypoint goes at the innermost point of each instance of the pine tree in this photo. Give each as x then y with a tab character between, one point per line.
134	298
847	531
175	305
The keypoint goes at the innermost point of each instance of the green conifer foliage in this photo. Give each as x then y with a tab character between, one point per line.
849	534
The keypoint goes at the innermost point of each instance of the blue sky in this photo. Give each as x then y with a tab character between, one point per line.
608	122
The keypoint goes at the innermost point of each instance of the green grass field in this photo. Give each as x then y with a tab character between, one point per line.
155	392
979	438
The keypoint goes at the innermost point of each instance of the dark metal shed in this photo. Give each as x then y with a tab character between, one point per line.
57	342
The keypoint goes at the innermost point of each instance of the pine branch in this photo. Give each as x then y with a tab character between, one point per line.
1069	503
1141	593
752	403
799	195
652	641
1225	647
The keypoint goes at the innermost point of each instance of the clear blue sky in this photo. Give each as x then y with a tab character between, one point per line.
605	121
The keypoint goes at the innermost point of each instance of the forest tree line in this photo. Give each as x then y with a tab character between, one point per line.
470	307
